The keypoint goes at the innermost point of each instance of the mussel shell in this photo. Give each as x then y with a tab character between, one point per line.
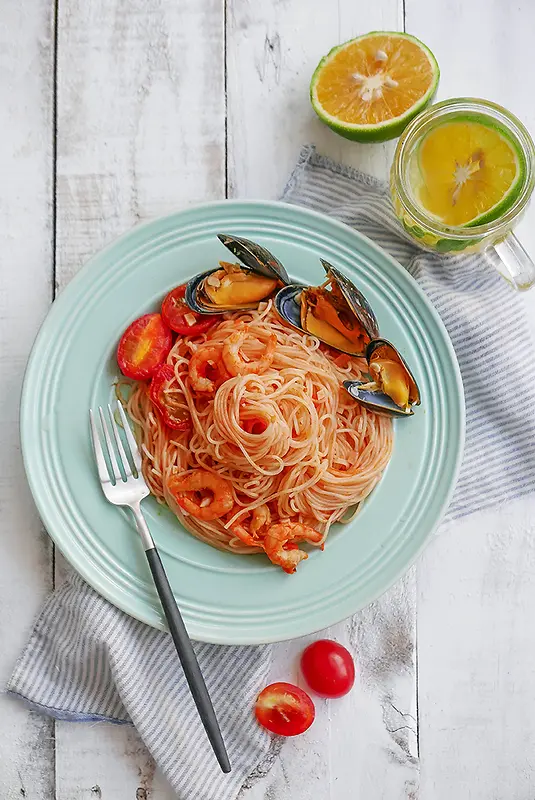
394	354
288	306
193	298
355	300
375	401
255	257
192	289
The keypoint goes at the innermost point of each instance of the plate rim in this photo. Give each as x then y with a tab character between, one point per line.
63	299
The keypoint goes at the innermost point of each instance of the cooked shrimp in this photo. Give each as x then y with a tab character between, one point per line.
281	536
206	369
234	361
244	535
213	488
261	517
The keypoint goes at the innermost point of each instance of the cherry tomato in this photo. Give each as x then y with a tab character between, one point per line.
255	425
143	347
285	709
328	668
177	314
173	413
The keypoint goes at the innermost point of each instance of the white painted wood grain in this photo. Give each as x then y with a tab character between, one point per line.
26	95
381	740
476	656
140	133
476	641
140	116
484	48
272	51
369	733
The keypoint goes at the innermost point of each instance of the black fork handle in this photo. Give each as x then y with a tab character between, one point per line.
188	659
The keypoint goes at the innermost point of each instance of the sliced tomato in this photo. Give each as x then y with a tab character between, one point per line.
255	425
285	709
144	345
328	668
181	318
172	409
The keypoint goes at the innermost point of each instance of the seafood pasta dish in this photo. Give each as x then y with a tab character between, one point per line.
263	410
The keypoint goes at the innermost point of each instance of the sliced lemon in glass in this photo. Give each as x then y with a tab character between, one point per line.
466	172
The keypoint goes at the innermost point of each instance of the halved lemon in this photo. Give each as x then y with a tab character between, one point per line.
368	89
466	172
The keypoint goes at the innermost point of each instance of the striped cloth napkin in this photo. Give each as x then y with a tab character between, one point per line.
88	661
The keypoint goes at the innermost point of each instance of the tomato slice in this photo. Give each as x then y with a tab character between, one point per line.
171	407
255	425
144	345
181	318
285	709
328	668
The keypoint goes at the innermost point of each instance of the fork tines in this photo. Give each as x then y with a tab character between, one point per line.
113	462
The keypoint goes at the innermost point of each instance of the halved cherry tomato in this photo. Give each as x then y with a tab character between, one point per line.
255	425
178	315
173	414
285	709
144	345
328	668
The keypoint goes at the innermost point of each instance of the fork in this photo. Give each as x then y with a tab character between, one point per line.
124	486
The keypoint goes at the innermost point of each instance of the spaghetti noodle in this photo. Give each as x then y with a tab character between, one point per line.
271	424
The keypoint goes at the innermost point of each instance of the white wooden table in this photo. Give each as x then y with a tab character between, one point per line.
115	111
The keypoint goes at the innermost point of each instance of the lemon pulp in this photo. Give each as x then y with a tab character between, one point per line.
464	173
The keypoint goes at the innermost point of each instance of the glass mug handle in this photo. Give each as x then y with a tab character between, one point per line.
514	263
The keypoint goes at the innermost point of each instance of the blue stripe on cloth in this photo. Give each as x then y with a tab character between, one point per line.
87	661
140	682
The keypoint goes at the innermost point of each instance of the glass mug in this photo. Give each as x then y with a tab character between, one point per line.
496	236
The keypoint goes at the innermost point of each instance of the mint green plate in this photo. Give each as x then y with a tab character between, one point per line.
233	599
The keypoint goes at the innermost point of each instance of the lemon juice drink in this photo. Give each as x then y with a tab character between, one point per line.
462	176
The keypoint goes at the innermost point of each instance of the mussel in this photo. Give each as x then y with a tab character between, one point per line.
339	316
392	388
237	287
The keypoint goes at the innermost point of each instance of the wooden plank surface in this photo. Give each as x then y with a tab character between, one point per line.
270	61
26	233
140	133
476	642
272	51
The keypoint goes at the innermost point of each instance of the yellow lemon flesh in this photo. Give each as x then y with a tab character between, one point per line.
465	173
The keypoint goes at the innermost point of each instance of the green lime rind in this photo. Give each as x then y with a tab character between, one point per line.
507	202
390	129
510	197
454	245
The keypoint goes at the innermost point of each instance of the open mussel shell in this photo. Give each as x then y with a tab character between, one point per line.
194	294
383	350
355	300
288	305
255	257
378	402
